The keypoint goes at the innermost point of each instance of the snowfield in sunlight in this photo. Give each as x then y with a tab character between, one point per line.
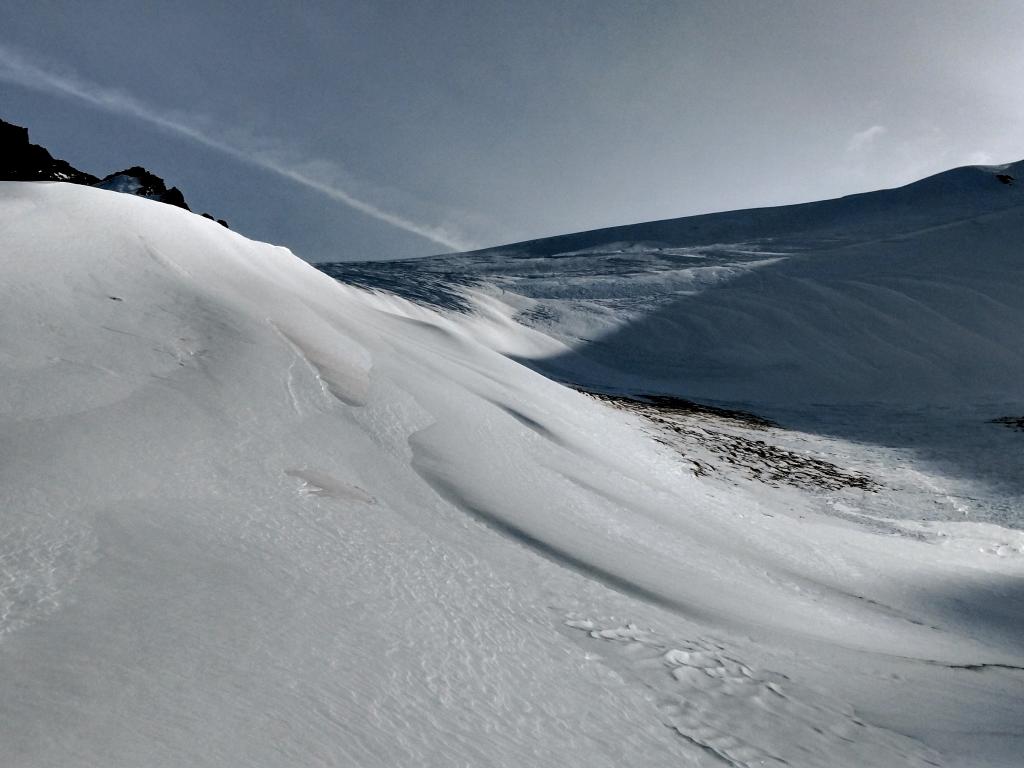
254	516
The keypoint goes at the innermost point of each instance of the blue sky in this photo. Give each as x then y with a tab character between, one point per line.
380	130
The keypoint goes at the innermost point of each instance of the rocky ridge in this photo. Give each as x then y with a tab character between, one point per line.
21	160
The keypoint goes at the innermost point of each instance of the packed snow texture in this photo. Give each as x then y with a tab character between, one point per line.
254	516
891	319
904	295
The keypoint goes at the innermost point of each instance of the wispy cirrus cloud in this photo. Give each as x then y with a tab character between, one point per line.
979	157
864	140
313	173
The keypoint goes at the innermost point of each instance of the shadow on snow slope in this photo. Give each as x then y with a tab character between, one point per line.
890	318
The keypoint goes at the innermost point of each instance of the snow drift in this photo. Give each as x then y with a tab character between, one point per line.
255	516
907	295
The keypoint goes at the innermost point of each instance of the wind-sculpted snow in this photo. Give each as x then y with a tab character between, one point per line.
255	516
439	291
904	295
743	716
890	318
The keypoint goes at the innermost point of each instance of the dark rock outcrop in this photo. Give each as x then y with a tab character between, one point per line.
219	221
139	181
21	160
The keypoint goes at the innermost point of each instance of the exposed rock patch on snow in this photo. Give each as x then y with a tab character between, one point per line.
722	436
1013	422
888	319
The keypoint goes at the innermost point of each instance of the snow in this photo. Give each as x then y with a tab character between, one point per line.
252	515
889	319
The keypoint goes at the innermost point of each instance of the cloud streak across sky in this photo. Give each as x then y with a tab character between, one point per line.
864	140
14	68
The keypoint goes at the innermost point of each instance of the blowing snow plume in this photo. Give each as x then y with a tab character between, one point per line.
14	68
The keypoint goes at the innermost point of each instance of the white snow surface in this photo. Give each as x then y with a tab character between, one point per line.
910	295
890	319
251	516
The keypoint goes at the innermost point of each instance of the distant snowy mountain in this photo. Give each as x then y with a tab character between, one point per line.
891	318
909	294
20	160
252	515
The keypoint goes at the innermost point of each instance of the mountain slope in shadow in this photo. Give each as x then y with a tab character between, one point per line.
891	318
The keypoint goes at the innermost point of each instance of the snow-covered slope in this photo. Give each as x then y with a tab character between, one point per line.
891	318
253	516
904	295
20	160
